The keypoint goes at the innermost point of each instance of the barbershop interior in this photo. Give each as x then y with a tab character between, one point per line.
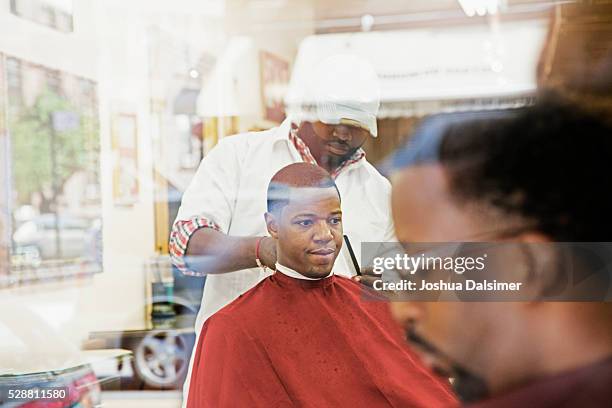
108	108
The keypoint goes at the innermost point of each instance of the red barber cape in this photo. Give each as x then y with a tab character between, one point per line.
290	342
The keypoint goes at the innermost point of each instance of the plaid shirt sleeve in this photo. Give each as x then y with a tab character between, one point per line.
182	230
207	202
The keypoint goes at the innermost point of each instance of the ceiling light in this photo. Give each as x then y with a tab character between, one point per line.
193	73
367	21
481	7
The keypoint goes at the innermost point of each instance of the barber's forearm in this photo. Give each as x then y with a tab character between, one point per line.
211	251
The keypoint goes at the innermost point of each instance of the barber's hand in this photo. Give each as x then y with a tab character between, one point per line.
267	252
367	277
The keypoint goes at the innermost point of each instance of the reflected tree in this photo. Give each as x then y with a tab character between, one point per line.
45	157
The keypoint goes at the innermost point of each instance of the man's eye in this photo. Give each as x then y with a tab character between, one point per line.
305	223
335	220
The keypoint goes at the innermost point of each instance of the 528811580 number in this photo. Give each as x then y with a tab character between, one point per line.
29	394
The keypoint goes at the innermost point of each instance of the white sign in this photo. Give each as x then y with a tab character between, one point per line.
64	121
477	61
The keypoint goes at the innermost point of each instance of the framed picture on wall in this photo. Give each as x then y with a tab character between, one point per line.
125	160
56	14
274	82
50	198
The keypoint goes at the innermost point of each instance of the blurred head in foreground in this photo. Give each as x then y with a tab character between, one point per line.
533	176
305	219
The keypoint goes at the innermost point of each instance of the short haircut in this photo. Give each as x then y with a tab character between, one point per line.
297	175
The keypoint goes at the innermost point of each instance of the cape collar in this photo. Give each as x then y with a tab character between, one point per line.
296	275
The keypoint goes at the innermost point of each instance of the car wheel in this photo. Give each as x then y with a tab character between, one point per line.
161	359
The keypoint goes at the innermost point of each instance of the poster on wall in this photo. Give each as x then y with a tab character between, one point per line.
51	118
274	82
125	160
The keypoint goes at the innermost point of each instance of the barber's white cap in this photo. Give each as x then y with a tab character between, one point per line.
346	91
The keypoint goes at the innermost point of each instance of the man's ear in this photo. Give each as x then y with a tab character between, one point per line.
271	224
544	274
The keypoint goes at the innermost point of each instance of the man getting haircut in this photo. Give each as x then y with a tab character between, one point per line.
304	336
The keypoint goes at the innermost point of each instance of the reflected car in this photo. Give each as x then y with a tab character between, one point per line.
36	240
161	353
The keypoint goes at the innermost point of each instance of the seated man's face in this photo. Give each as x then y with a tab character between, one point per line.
308	231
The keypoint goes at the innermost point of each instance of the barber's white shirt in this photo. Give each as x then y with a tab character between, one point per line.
230	188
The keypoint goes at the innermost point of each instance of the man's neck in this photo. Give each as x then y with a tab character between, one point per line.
294	274
583	343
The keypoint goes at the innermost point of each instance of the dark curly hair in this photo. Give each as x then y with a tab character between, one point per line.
548	164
